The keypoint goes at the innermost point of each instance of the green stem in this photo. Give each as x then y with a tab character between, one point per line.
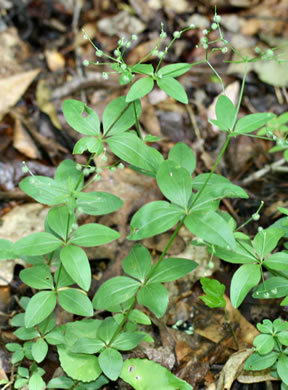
224	147
137	120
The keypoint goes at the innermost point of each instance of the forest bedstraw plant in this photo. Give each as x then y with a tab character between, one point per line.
90	350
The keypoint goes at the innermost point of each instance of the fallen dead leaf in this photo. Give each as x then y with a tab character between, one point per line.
55	60
12	88
43	98
23	142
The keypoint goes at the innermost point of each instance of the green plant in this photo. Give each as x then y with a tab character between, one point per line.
91	348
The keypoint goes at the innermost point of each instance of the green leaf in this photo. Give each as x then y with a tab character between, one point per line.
126	341
63	278
266	240
13	347
282	365
220	125
140	88
93	234
175	183
17	357
75	301
55	337
76	263
257	362
38	277
153	218
214	291
138	262
107	329
39	307
155	297
20	382
266	327
174	70
36	382
60	382
66	173
183	155
119	116
131	149
92	144
141	374
98	203
241	254
218	186
60	220
277	261
246	277
275	287
283	337
115	291
6	250
172	268
111	363
26	333
173	88
80	117
87	345
210	227
79	366
252	122
44	189
18	320
139	317
225	112
39	350
37	244
264	343
143	69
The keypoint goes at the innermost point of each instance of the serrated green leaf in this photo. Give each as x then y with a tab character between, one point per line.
214	291
252	122
98	203
175	183
140	88
119	116
174	70
93	234
155	297
76	263
173	88
131	149
44	189
115	291
183	155
246	277
75	301
210	227
138	262
266	240
170	269
141	374
92	144
38	277
37	244
80	117
126	341
39	307
153	218
111	363
225	112
257	362
39	350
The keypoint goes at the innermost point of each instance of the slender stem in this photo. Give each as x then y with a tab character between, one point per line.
231	328
137	120
224	147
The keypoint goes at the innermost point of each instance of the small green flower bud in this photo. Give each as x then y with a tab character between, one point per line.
112	169
86	171
176	34
214	26
120	166
117	53
257	50
123	66
85	36
134	37
224	49
163	34
205	46
105	76
205	31
128	44
160	54
217	18
260	229
204	40
99	53
79	167
255	217
269	53
86	63
192	25
104	158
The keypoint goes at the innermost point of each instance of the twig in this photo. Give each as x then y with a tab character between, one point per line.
274	167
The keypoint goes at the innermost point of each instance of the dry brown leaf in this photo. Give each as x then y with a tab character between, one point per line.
23	142
55	60
43	98
232	369
255	377
12	88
